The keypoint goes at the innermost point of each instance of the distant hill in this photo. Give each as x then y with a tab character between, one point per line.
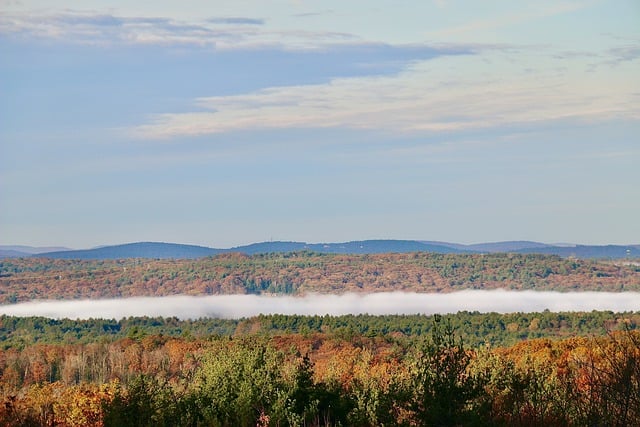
355	247
587	251
267	247
173	250
136	250
512	246
561	249
508	246
8	253
14	251
157	250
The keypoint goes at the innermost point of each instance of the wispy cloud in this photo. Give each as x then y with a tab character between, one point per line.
234	32
104	29
314	14
236	20
630	52
439	95
238	306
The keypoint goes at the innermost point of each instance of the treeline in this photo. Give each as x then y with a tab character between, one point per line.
302	272
318	380
477	329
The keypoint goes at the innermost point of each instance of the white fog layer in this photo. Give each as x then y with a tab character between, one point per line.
237	306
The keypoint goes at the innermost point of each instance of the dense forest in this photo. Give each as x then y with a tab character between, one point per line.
476	329
323	378
25	279
519	369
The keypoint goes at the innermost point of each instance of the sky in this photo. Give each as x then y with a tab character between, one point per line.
230	122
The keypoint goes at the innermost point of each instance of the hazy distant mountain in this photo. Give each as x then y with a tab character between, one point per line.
382	246
588	251
32	249
177	251
8	253
561	249
355	247
15	251
509	246
172	250
266	247
136	250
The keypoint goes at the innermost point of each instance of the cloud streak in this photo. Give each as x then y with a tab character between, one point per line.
236	20
105	29
507	88
237	306
235	32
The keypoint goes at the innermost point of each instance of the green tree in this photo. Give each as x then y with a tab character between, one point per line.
446	393
244	384
145	402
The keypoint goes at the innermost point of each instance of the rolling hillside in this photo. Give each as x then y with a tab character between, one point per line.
177	251
136	250
306	272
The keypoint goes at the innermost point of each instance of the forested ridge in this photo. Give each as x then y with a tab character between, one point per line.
323	379
25	279
476	329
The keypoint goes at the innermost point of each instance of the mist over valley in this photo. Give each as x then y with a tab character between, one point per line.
381	303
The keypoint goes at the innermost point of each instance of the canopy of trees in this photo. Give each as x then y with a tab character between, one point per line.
302	272
477	329
319	380
522	369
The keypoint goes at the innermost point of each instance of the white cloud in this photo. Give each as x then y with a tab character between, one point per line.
465	92
219	32
237	306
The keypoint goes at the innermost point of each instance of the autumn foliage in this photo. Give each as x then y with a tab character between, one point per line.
304	272
320	379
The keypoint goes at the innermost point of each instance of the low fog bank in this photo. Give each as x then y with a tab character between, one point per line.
237	306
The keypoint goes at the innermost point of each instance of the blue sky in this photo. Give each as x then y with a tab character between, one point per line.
228	122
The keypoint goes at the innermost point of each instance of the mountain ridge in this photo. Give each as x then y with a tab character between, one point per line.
12	251
162	250
135	250
179	251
